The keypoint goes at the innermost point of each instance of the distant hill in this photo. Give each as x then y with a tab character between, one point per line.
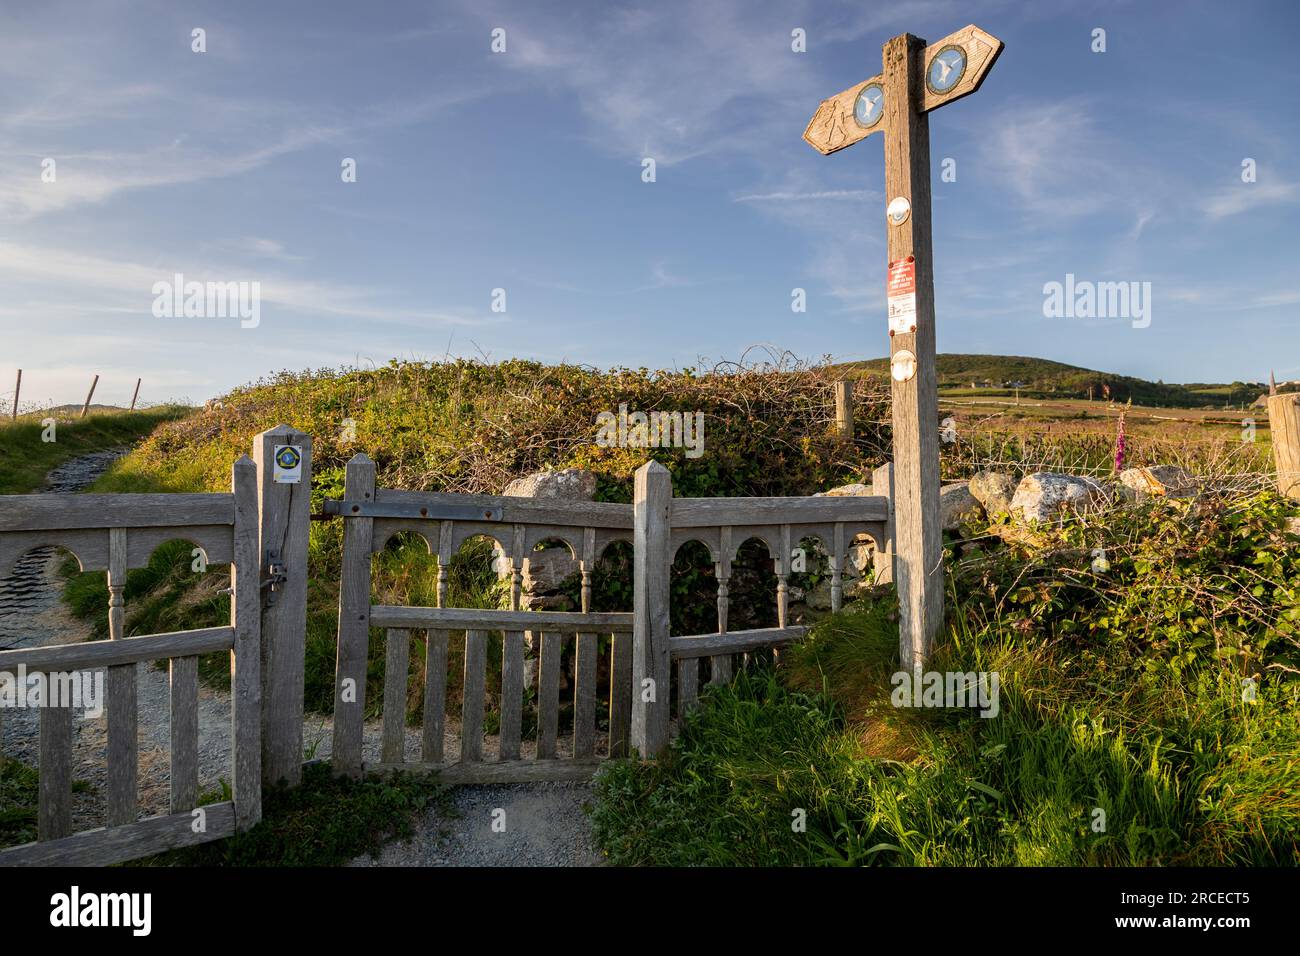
1043	378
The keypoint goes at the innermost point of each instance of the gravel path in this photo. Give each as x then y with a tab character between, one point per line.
535	824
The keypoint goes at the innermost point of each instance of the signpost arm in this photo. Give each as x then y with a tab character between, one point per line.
919	544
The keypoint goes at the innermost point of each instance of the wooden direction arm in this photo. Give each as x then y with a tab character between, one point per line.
835	125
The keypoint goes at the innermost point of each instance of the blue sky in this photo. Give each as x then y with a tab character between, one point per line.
522	171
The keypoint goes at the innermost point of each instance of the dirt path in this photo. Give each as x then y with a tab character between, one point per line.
536	824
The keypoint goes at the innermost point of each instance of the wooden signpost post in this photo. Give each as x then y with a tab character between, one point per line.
916	79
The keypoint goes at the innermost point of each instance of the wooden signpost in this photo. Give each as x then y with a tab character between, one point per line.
916	79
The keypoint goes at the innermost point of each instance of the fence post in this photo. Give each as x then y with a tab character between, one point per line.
18	387
136	393
89	395
284	517
245	617
651	666
844	409
1284	431
882	485
354	622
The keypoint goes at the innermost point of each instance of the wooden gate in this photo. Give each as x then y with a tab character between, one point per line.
118	532
640	649
517	525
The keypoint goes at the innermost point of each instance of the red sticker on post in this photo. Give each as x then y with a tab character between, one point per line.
902	276
900	291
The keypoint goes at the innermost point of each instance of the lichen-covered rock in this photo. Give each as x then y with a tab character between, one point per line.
957	504
855	490
546	569
1046	496
575	484
994	490
1160	481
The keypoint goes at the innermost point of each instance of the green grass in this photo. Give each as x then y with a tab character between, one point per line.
18	802
26	458
326	821
19	799
1207	782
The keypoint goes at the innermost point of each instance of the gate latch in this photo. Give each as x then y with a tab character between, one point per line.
275	574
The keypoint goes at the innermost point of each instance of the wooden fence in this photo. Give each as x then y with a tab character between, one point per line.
117	533
260	529
664	523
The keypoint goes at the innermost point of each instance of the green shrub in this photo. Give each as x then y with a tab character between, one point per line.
1124	735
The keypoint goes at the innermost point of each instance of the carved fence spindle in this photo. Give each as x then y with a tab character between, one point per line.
721	664
782	577
512	661
445	531
584	662
122	707
836	560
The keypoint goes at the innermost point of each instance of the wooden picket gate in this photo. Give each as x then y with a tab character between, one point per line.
116	533
641	650
445	521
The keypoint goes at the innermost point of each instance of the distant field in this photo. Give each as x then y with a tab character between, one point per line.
1080	437
962	376
1082	409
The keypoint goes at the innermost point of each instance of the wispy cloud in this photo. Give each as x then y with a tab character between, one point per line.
1243	197
259	248
858	194
125	286
96	177
673	82
1030	147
